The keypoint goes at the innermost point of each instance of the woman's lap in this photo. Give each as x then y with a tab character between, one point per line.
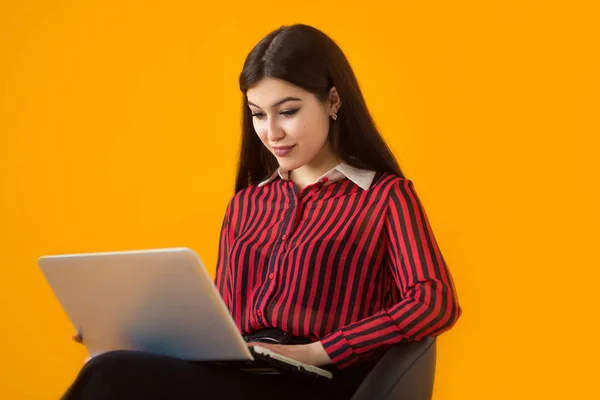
131	374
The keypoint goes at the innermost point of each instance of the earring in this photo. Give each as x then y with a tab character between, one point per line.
334	116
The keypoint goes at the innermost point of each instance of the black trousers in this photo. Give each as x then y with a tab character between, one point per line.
126	374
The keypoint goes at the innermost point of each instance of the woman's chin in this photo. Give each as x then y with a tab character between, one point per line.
287	164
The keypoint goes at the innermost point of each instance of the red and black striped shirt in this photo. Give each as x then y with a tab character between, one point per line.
356	267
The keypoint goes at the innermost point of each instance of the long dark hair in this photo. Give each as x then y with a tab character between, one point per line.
306	57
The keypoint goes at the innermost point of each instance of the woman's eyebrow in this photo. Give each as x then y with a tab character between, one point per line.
280	102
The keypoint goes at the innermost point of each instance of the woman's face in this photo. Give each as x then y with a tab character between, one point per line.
288	117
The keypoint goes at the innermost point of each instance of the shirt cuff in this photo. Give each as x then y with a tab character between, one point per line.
338	349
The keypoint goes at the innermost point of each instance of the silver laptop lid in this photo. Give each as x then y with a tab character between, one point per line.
161	301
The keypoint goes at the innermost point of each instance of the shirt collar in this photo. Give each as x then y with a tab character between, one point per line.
361	177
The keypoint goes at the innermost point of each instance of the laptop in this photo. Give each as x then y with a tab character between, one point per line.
161	301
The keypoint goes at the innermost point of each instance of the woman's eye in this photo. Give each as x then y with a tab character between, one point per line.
285	113
288	113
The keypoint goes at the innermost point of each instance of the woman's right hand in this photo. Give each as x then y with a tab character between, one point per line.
77	338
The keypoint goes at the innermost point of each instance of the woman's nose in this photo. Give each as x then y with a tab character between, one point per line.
274	132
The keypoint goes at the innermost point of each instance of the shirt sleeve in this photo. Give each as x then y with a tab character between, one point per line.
222	271
428	304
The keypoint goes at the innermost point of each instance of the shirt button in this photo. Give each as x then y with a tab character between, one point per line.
325	180
258	312
271	275
284	237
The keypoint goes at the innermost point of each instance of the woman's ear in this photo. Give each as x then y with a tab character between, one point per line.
333	101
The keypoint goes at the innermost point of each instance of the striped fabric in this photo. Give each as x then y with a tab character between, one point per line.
358	269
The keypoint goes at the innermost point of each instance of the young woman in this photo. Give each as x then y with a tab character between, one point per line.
324	248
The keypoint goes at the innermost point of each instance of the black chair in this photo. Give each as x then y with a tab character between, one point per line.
405	372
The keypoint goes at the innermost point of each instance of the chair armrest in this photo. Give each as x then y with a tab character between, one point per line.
405	372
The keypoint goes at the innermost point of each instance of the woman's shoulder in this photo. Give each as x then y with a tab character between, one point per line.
386	181
242	196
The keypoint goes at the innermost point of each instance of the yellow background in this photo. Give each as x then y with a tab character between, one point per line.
119	129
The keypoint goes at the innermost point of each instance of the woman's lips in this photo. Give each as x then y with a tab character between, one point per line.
283	151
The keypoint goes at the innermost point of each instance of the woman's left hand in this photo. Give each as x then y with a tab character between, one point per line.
311	354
